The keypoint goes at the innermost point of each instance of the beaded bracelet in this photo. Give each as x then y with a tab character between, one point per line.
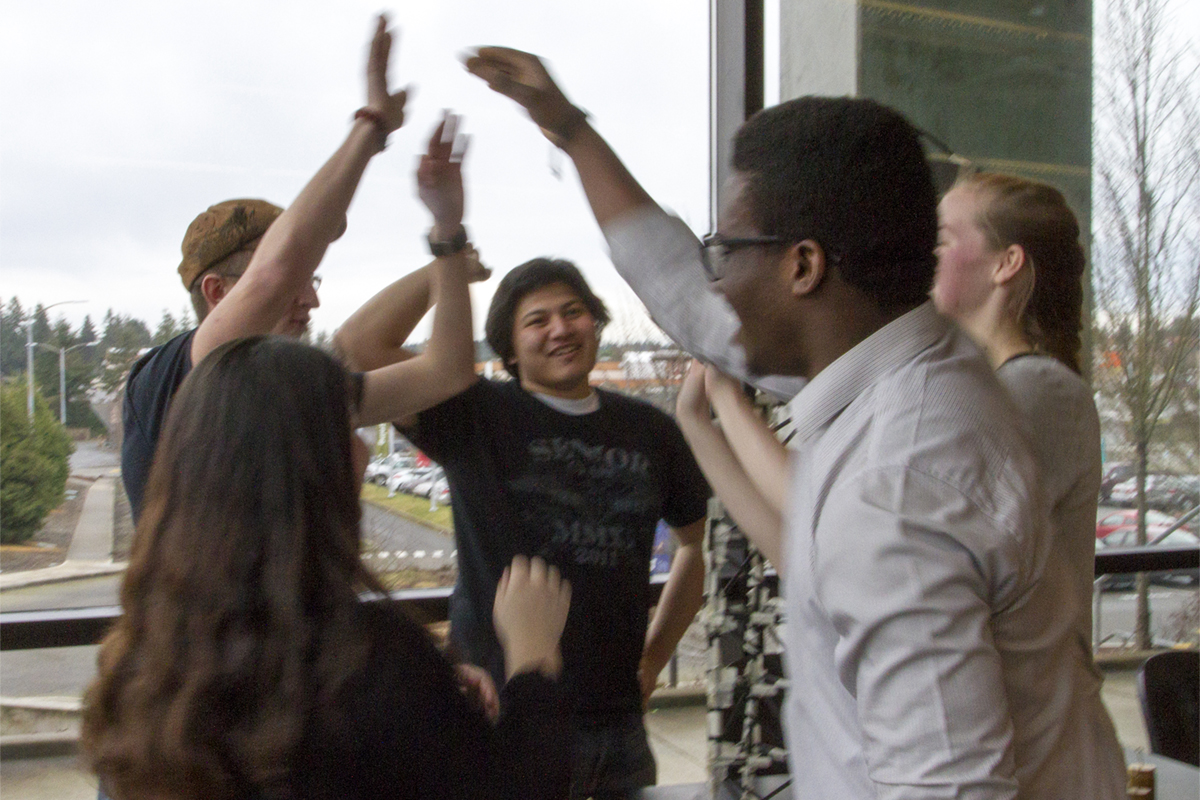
376	118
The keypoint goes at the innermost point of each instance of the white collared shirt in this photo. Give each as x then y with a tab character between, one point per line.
930	639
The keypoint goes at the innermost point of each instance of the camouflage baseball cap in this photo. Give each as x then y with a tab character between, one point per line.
222	230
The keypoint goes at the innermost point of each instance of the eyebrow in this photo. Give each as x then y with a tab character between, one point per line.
565	306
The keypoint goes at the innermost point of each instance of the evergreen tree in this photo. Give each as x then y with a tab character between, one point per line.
33	464
45	361
168	329
12	339
124	339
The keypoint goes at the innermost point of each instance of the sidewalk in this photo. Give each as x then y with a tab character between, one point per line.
90	553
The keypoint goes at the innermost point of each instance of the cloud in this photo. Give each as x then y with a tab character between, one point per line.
125	119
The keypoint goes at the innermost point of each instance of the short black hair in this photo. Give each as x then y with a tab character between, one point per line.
523	280
850	174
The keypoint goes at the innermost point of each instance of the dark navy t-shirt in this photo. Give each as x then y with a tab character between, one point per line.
152	384
585	493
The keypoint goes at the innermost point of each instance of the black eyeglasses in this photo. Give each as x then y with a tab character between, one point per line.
715	248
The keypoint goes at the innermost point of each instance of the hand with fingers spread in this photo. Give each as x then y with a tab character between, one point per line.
439	177
522	77
383	108
530	612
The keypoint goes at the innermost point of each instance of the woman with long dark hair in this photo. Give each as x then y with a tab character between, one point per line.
246	664
1010	273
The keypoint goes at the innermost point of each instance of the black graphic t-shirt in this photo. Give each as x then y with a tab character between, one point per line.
585	493
151	385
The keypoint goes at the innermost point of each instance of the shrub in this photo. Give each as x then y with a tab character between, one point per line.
33	464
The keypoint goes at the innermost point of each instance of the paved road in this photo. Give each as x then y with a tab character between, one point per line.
92	460
400	542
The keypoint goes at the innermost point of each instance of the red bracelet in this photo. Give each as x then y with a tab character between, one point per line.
375	118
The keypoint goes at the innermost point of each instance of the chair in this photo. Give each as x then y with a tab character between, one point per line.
1169	689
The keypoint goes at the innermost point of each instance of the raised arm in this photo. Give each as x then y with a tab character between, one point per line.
750	508
447	365
758	450
284	261
654	252
375	334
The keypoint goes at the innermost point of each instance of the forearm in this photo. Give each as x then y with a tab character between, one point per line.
445	368
375	334
292	248
451	347
610	188
681	599
741	497
761	455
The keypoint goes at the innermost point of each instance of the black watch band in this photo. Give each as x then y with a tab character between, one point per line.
456	244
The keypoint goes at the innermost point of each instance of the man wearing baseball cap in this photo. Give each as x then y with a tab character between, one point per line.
248	265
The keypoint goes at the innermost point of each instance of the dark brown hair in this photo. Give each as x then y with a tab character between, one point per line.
239	601
852	175
1036	217
523	280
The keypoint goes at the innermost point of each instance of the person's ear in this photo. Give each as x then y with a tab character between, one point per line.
805	264
212	286
1012	260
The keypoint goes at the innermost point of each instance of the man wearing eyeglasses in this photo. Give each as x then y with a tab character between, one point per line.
249	268
930	637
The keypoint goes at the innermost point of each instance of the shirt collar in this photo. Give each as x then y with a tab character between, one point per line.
836	386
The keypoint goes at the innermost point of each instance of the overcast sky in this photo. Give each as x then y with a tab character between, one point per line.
124	119
121	120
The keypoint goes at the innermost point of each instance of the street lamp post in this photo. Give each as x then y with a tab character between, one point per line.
29	343
62	375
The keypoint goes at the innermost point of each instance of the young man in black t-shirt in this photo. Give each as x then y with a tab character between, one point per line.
546	465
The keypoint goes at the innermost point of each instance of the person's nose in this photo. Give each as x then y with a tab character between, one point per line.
308	297
558	327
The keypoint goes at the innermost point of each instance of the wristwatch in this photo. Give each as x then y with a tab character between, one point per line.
456	244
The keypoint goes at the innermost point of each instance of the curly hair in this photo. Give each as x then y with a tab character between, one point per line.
1036	217
523	280
239	598
850	174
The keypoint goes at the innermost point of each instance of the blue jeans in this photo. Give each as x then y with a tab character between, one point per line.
612	759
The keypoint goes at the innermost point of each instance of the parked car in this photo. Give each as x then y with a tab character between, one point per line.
379	470
1175	493
428	483
1157	486
1114	474
1127	537
1157	523
403	479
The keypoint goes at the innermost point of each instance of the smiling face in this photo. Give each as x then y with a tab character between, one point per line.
965	259
554	342
753	283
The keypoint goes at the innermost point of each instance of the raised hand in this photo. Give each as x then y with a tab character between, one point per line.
476	271
439	176
692	403
718	384
532	601
389	107
522	77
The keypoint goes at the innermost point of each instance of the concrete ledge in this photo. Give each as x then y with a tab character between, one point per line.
678	697
38	745
66	571
1125	660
